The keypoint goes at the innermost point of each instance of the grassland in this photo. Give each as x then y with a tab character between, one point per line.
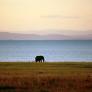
46	77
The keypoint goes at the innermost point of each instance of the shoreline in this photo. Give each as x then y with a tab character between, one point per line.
46	62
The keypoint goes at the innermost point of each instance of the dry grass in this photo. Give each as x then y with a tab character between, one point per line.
46	77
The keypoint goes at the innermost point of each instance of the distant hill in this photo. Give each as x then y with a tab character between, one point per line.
17	36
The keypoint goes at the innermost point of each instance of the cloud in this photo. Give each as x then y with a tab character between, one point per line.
60	17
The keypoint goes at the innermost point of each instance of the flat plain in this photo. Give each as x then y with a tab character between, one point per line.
46	77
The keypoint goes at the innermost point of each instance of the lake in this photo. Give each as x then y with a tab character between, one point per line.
52	50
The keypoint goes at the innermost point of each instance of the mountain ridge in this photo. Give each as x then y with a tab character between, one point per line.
20	36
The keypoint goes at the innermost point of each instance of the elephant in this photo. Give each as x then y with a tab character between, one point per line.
39	59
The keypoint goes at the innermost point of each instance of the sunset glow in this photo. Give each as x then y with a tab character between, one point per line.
46	16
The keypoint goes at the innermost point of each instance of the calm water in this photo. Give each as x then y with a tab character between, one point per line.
52	50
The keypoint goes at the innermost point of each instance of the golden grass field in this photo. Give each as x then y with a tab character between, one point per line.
46	77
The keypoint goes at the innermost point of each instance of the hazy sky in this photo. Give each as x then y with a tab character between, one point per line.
46	16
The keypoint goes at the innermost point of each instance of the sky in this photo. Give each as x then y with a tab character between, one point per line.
68	17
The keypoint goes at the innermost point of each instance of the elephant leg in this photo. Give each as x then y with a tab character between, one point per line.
43	60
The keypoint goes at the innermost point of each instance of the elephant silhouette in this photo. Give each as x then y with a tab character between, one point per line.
39	59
